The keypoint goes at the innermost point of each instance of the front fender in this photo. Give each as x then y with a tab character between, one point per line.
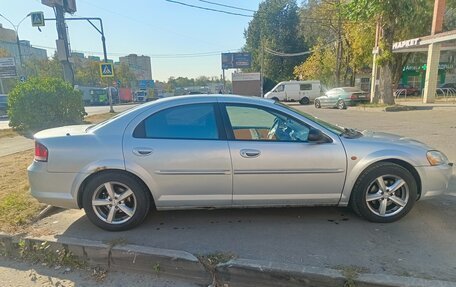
356	167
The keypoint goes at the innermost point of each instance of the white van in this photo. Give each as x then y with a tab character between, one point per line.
295	91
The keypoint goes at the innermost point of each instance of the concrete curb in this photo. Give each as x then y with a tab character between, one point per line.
244	272
236	272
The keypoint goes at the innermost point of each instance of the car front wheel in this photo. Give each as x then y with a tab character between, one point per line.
317	104
384	192
304	101
116	201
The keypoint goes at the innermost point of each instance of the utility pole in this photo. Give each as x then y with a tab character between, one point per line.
375	52
18	42
63	50
262	68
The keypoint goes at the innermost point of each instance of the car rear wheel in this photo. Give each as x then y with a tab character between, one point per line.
317	104
384	192
116	201
341	105
304	101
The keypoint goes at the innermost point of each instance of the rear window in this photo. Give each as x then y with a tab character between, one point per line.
352	90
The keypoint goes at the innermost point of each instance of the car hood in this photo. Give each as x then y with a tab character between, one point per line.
392	139
62	131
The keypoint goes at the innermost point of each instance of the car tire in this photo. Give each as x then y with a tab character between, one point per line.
317	104
384	204
122	213
304	101
341	105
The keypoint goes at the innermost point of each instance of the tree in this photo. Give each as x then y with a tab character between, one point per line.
44	68
396	18
348	56
275	26
320	65
42	103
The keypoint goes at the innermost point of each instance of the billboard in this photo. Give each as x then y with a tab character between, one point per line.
236	60
7	68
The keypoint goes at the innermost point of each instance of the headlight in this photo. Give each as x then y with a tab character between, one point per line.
436	158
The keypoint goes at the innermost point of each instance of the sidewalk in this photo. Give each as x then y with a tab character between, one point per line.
13	145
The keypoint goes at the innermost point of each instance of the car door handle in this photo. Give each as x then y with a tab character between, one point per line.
250	153
141	151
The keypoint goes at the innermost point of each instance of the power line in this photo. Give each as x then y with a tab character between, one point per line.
282	54
209	9
227	6
156	56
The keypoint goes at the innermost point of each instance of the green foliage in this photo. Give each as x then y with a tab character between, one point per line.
42	103
276	26
44	68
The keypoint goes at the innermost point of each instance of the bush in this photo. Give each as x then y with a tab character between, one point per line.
42	103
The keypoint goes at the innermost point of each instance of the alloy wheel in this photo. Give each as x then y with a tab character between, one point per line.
114	203
387	195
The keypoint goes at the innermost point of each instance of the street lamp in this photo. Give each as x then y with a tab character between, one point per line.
16	29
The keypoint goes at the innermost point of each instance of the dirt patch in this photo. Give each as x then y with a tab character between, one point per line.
8	133
17	206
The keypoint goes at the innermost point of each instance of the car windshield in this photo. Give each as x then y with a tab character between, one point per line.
333	128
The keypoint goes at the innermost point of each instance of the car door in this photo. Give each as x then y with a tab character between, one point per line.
273	162
182	153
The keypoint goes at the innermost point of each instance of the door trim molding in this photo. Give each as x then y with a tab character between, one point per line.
288	171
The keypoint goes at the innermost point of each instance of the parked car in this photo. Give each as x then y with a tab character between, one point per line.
342	97
217	151
295	91
3	105
407	90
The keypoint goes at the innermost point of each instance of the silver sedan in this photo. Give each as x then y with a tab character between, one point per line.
217	151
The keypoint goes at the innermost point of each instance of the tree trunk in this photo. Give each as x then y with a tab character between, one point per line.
386	69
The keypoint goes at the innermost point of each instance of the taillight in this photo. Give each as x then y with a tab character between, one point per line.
41	152
353	97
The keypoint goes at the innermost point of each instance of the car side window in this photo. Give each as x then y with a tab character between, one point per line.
257	123
197	121
305	87
280	88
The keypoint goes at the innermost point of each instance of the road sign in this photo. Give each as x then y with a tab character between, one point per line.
146	84
7	68
236	60
106	70
37	19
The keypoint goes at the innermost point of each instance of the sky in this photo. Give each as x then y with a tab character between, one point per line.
156	28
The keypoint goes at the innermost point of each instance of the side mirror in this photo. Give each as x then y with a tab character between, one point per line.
315	136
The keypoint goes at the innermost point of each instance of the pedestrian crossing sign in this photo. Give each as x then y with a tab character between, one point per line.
37	19
106	70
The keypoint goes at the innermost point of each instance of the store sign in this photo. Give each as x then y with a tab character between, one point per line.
406	44
442	66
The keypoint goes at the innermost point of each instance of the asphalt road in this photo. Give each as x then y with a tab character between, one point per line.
422	244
